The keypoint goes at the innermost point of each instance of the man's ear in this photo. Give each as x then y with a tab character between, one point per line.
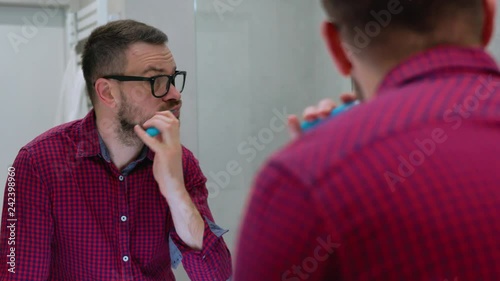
334	44
489	20
102	88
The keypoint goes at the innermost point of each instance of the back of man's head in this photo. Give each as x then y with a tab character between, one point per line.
391	27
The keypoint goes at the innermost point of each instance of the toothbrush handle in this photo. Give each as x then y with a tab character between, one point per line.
306	125
152	131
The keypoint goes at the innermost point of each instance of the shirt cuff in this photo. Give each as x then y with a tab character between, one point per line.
178	248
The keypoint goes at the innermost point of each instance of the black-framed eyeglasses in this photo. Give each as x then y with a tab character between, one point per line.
160	84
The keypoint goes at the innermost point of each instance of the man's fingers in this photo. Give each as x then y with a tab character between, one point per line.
310	113
313	113
294	127
348	97
165	116
166	113
325	107
168	127
146	138
162	119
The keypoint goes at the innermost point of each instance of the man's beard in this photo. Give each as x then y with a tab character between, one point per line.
125	129
126	112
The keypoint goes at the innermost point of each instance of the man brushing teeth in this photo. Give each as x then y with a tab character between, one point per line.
126	205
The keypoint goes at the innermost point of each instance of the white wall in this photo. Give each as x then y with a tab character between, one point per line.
30	76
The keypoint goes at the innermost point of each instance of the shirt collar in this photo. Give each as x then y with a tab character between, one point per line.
438	60
91	144
107	157
88	143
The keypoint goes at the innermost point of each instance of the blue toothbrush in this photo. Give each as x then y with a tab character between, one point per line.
306	125
153	132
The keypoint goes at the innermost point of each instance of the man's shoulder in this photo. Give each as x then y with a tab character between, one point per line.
391	117
189	161
188	155
54	137
193	176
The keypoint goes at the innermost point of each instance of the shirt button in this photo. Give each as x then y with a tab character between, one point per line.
123	218
121	178
125	258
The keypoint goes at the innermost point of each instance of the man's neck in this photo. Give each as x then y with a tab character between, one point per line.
368	81
120	154
372	69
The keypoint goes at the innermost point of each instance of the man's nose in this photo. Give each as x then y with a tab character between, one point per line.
173	93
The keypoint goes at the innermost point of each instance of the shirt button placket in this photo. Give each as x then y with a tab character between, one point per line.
124	234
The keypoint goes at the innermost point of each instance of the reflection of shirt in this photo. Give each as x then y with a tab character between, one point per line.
403	187
79	218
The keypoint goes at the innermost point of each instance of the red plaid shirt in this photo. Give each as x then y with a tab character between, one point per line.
403	187
77	217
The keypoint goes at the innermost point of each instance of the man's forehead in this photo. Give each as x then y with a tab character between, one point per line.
140	50
150	57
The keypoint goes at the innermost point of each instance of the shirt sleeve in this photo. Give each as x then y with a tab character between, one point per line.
213	262
27	226
282	235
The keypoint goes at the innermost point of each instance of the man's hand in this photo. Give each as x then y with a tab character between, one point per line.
167	167
167	170
311	113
